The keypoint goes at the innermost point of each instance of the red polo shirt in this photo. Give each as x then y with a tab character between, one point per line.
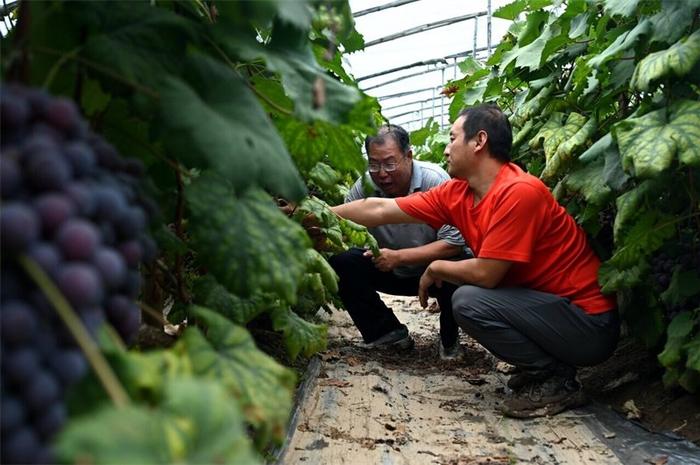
519	220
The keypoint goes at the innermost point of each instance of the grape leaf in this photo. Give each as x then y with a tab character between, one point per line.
645	237
241	146
613	279
678	331
572	135
209	293
532	27
613	174
621	7
600	147
324	176
649	143
677	61
683	284
589	182
245	241
628	206
669	24
196	423
579	25
693	348
228	354
513	9
623	42
300	336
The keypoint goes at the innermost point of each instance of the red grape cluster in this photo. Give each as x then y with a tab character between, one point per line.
72	205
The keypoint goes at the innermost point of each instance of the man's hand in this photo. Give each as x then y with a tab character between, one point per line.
426	281
387	260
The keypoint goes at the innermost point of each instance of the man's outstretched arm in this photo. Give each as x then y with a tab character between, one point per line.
374	211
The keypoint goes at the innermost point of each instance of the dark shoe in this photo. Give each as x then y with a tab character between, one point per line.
545	398
522	378
396	339
454	352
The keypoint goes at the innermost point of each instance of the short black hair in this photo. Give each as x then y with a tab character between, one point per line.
489	118
397	133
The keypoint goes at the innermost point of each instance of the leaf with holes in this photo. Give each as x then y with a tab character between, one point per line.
244	240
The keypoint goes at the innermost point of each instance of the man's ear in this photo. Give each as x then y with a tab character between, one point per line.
482	137
409	154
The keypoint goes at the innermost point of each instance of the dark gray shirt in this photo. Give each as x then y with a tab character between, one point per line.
403	236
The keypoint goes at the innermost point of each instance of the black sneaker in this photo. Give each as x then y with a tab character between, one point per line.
454	352
545	398
522	378
396	339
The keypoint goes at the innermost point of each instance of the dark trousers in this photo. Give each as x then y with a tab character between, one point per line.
360	282
535	330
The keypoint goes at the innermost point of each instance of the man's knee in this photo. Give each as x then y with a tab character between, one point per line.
347	263
468	305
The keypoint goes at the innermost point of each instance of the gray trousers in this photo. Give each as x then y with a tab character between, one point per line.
534	330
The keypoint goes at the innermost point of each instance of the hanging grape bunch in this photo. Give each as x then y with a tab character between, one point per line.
71	205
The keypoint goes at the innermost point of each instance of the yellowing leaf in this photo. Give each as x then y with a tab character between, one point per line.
677	60
649	143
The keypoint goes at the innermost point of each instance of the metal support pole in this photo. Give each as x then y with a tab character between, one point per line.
442	103
476	30
488	28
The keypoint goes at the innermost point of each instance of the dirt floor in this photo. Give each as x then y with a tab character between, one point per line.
358	407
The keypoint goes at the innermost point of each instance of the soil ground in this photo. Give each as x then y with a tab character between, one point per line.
371	407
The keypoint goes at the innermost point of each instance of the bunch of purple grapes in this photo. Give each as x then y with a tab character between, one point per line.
72	205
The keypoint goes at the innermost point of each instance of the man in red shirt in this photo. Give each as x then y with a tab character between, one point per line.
531	295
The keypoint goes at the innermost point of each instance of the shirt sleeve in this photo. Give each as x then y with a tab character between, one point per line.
451	235
355	192
514	225
425	206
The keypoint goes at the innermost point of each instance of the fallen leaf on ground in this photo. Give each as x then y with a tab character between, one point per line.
633	413
335	382
660	460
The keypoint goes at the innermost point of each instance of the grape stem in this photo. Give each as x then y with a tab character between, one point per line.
153	312
99	364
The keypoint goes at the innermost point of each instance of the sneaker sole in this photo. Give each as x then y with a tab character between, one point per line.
579	400
403	344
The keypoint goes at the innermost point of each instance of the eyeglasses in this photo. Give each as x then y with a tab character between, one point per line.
376	167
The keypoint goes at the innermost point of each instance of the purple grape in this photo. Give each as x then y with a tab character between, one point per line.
46	256
111	204
41	390
78	239
93	319
14	112
11	414
132	252
19	227
10	177
68	365
132	288
21	365
51	420
18	323
132	223
112	267
20	446
150	249
81	158
80	284
82	197
62	114
48	171
54	209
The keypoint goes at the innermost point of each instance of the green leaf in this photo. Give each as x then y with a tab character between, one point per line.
135	40
469	66
531	108
298	14
643	315
532	28
512	10
677	61
241	146
573	135
646	236
589	182
621	7
649	143
547	131
690	380
628	206
321	141
579	25
228	355
613	174
300	336
209	293
197	423
168	241
324	176
623	42
613	279
245	241
683	284
693	349
669	24
678	331
600	147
